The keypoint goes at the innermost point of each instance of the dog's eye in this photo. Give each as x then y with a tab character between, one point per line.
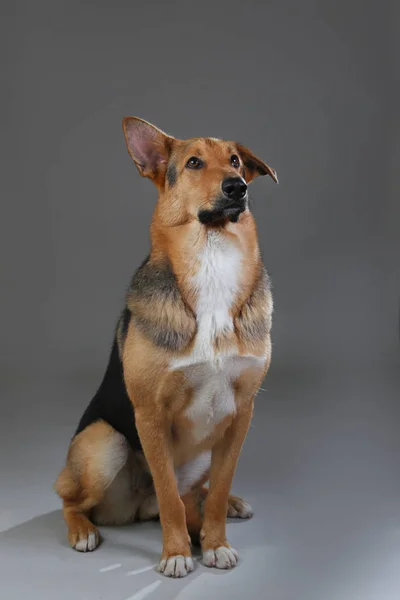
235	162
194	163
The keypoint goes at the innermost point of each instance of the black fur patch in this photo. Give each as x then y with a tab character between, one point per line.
156	285
222	209
253	165
252	325
165	338
125	320
254	330
154	282
171	174
111	403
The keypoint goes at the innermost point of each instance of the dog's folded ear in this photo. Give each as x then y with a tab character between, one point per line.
253	166
148	146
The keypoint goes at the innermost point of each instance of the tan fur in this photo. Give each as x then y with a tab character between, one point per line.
161	396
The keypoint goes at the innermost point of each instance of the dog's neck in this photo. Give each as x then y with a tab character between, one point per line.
198	253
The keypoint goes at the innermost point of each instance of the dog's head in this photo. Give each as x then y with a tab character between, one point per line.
198	178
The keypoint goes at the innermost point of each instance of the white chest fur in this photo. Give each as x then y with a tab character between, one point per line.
211	375
216	284
213	396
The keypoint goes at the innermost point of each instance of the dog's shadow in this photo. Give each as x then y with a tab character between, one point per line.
37	562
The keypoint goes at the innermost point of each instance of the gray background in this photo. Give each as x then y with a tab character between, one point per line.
313	88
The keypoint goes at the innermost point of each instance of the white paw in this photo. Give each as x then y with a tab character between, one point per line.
221	558
239	509
176	566
87	543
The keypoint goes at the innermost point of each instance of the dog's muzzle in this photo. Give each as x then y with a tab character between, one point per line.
230	205
222	211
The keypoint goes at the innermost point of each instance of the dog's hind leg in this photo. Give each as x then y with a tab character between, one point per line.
239	508
96	455
194	506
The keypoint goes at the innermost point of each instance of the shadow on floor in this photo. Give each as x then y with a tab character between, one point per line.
37	562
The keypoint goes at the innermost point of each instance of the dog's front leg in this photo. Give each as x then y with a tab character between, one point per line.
217	552
154	432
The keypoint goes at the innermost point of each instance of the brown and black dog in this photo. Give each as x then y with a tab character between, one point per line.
191	348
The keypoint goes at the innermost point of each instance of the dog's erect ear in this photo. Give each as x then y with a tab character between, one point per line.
148	146
253	166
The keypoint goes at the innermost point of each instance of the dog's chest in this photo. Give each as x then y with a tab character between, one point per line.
210	373
213	396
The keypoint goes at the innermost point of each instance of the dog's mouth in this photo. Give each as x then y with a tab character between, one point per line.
221	213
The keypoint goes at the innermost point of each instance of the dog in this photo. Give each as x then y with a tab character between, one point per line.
190	351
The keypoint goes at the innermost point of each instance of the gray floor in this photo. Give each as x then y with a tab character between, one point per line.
320	467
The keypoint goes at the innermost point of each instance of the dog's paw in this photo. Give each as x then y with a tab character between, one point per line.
221	558
176	566
84	540
239	508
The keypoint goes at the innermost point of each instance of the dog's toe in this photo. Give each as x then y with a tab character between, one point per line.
85	541
221	558
176	566
239	508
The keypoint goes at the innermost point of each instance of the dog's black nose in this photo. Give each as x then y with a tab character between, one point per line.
234	188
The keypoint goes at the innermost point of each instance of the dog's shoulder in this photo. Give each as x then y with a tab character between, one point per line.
154	281
156	306
253	322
